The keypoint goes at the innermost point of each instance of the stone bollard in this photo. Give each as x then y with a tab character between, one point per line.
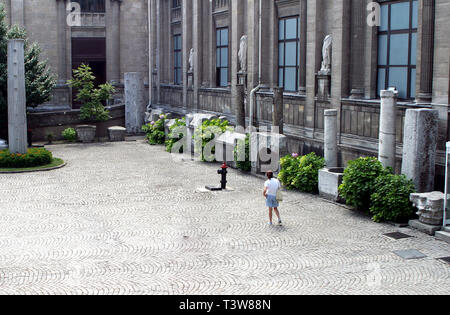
388	128
419	147
430	211
331	140
240	106
134	102
116	133
17	111
278	109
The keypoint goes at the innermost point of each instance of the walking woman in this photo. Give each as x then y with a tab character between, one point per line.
271	187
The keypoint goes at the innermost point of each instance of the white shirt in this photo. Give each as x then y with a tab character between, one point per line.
272	186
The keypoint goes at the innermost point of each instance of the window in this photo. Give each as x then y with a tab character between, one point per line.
176	4
92	5
178	64
222	57
397	46
289	54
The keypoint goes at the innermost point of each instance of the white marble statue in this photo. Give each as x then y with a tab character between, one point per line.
326	54
191	60
243	53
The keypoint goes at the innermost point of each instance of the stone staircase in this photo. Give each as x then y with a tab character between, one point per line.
444	235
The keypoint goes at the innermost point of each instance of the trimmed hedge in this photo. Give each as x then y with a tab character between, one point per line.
33	157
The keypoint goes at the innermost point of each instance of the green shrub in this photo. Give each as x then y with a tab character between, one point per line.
247	164
359	181
69	135
390	200
91	97
33	157
155	131
176	134
204	137
301	173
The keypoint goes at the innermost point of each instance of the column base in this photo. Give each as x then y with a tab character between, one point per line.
424	98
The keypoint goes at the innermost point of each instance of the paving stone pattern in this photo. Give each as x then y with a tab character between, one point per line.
125	218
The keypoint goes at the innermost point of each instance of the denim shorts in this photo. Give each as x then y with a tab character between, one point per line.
272	202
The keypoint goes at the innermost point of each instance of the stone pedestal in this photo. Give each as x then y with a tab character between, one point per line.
278	110
388	128
86	133
331	138
265	151
323	82
225	145
242	78
117	133
329	181
193	121
190	79
17	111
430	208
419	147
240	106
135	106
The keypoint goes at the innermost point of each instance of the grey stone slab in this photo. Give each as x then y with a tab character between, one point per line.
410	254
423	227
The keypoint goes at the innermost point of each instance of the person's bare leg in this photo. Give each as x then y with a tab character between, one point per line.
278	214
270	215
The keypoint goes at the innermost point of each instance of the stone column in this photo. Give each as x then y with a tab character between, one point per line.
303	35
187	45
239	99
113	42
134	102
425	44
278	109
357	52
151	49
198	48
419	147
62	49
388	128
331	138
17	110
17	13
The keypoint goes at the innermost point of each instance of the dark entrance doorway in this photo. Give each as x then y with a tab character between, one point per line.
92	52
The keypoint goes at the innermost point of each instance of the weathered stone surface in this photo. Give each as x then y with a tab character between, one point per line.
266	149
329	182
425	228
117	133
86	133
17	116
135	106
430	206
388	128
331	138
225	145
419	147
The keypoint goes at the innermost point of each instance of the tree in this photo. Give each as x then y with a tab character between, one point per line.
39	81
92	98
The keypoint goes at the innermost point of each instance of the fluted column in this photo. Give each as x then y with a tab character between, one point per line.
359	16
113	42
425	43
198	47
187	45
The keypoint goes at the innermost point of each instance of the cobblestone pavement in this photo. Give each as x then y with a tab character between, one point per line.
126	219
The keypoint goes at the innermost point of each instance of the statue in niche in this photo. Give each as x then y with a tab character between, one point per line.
191	60
326	54
243	47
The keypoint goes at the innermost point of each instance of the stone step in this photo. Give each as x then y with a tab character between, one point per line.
447	229
443	236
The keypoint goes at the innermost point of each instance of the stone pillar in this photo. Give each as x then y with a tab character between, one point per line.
388	128
198	48
239	99
425	44
331	138
62	49
357	52
278	109
303	35
17	110
151	50
17	13
113	42
419	147
134	102
187	45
